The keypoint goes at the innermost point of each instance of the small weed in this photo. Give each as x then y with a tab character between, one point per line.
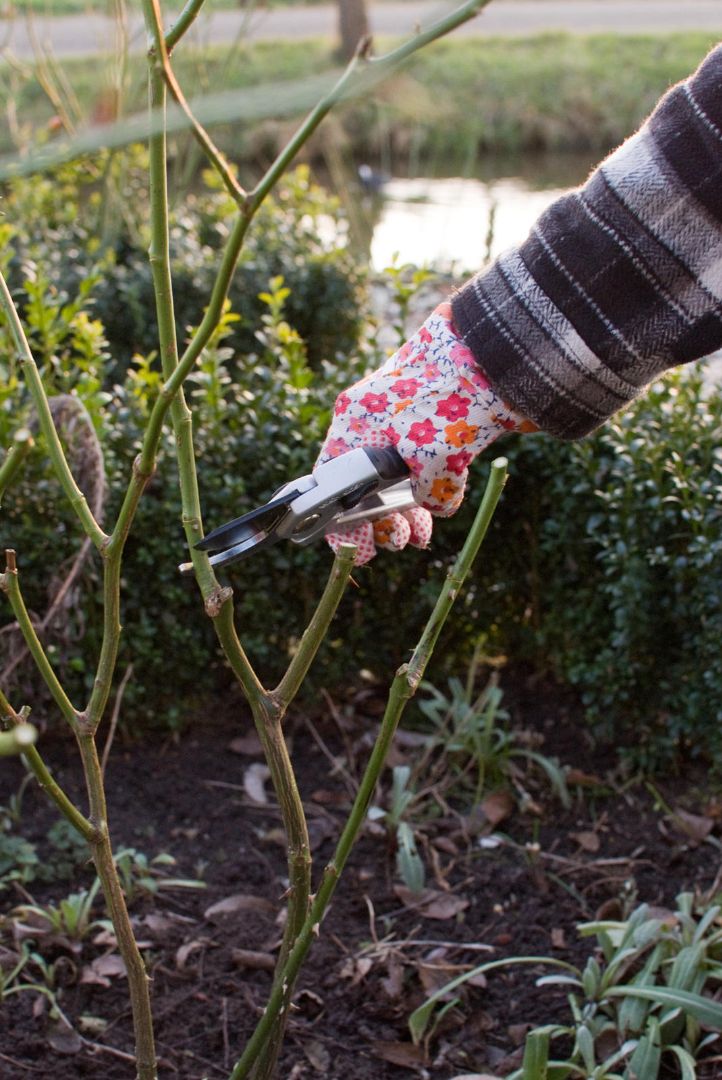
141	876
69	921
470	749
409	864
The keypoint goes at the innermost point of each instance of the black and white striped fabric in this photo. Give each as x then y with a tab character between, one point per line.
618	281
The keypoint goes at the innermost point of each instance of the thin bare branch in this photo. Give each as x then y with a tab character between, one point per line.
159	54
183	23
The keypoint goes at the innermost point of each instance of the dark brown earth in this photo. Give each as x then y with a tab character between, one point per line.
376	959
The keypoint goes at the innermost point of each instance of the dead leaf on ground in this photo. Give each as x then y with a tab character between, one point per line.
497	807
252	958
434	976
101	970
309	1004
231	905
64	1039
254	782
325	797
431	903
318	1056
518	1033
479	981
695	826
582	779
558	939
393	984
445	844
404	1054
185	950
162	923
248	744
356	968
610	909
587	839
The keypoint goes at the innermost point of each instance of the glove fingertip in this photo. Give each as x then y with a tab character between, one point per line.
421	525
362	536
392	533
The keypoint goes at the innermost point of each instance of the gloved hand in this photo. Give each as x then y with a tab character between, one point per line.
432	402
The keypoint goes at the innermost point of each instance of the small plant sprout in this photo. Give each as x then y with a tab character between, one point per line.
409	864
141	876
71	920
470	749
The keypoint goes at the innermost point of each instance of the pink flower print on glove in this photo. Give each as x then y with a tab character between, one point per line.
433	403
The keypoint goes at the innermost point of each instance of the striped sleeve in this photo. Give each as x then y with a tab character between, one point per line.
618	281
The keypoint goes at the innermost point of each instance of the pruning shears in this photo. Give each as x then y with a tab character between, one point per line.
361	485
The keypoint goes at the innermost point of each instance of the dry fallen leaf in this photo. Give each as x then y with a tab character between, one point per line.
587	839
393	984
497	807
435	974
248	744
479	981
696	827
251	958
431	903
558	939
518	1033
64	1039
404	1054
162	923
254	782
185	951
101	970
446	844
231	905
582	779
325	797
356	968
318	1056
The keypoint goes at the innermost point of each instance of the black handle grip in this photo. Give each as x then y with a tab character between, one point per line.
388	462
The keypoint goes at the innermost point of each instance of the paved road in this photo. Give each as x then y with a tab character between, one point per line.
77	35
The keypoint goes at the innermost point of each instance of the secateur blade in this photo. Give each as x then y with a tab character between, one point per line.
363	483
256	529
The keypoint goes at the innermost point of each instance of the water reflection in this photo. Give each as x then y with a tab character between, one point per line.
460	223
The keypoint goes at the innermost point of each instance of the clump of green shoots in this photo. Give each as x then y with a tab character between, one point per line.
471	748
642	1002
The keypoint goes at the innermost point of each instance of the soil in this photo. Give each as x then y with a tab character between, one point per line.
378	954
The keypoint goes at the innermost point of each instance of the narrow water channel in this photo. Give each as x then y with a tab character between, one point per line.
459	223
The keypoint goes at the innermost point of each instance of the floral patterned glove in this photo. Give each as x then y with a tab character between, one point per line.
432	402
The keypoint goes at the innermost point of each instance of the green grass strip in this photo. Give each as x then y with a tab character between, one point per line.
556	92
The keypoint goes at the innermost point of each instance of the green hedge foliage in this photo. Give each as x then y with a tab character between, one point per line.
603	562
